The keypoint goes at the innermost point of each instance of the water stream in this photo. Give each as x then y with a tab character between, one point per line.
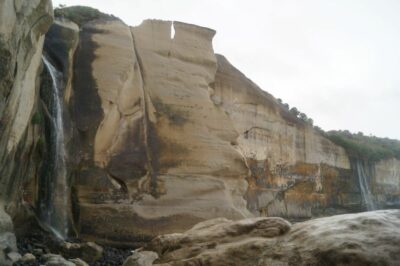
54	199
364	187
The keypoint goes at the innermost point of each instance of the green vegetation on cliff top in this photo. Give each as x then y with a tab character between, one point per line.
81	14
357	146
369	148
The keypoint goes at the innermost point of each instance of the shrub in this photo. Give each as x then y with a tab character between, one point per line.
37	118
294	111
81	14
369	148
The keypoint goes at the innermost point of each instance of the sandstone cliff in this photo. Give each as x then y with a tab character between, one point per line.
156	154
163	133
22	28
160	133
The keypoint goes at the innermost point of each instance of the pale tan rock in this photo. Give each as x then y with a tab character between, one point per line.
220	230
56	260
143	258
369	238
388	173
78	262
89	252
166	134
162	151
386	183
22	28
293	167
28	258
267	130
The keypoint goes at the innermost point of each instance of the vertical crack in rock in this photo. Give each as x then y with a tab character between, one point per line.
150	169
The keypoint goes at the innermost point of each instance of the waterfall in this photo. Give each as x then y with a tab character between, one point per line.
54	196
364	187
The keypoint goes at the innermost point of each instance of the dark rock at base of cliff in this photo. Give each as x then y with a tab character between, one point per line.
44	248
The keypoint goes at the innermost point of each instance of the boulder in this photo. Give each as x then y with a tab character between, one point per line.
369	238
28	258
14	256
143	258
89	251
8	241
56	260
79	262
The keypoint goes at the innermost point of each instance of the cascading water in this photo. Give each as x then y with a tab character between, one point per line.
364	187
54	195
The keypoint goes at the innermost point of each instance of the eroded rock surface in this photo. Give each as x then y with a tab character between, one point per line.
143	258
295	171
8	242
386	183
370	238
163	133
22	28
155	153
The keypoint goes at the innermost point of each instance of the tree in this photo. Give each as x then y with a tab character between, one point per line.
294	111
286	106
303	117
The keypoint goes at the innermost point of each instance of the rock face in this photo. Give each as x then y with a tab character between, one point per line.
295	171
8	242
22	28
369	238
386	183
143	258
162	133
154	152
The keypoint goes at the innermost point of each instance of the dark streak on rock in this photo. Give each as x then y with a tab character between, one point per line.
130	163
87	111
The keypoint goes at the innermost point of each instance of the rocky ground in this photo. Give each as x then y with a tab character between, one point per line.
368	238
39	248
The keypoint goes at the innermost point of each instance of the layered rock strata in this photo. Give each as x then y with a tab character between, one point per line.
160	132
385	180
155	152
295	171
164	134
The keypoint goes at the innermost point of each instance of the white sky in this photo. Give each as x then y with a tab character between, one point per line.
337	61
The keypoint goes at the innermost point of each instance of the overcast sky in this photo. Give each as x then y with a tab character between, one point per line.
337	61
